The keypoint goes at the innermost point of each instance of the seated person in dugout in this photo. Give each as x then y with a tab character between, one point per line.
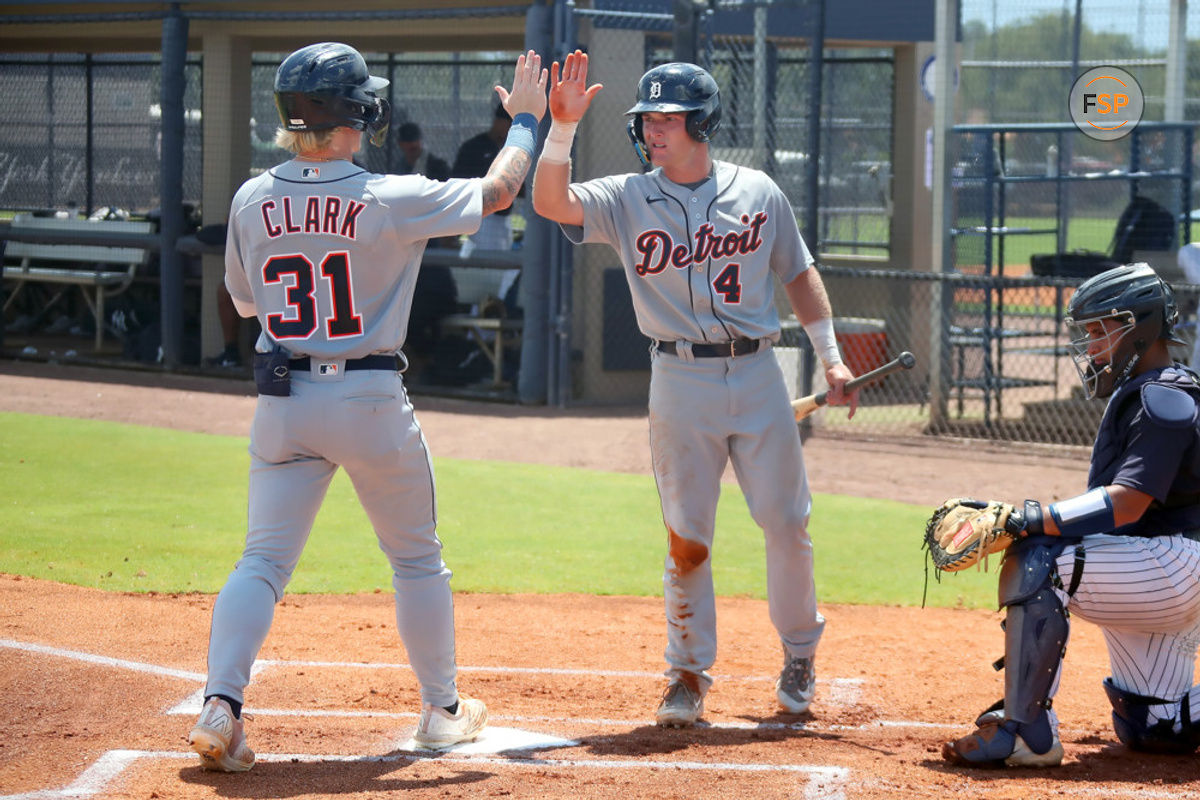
472	160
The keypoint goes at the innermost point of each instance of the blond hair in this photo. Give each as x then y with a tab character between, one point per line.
303	141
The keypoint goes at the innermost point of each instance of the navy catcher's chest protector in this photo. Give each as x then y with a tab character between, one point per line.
1167	398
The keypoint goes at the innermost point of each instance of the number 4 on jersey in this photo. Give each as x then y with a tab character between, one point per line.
300	275
728	283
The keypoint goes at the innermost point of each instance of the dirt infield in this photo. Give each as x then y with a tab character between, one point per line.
101	688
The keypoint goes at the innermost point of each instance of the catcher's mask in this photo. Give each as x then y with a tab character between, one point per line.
327	85
1141	307
676	87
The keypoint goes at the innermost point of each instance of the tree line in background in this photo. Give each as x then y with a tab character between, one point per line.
1015	94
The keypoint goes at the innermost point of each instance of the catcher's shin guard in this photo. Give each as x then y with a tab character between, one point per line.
1131	721
1035	638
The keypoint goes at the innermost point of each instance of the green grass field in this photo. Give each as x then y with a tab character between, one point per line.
131	508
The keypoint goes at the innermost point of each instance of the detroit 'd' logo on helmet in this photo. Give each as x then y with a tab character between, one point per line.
655	90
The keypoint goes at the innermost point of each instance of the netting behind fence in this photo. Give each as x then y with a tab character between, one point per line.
765	77
1018	56
82	132
1003	368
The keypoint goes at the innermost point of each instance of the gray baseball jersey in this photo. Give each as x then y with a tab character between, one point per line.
294	229
700	262
328	254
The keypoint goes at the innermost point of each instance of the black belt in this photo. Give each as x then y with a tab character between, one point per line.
732	349
390	363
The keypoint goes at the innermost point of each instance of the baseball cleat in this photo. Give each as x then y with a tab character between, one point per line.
682	704
439	729
796	684
995	744
220	740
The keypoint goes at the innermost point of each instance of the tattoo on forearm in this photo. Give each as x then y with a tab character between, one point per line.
504	179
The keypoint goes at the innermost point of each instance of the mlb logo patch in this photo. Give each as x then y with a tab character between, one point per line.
310	172
327	369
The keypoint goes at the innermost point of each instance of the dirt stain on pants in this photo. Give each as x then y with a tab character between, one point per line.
685	554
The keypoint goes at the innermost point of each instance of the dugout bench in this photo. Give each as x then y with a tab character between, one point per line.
479	280
61	252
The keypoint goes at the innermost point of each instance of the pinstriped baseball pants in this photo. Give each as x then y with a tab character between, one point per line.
1144	594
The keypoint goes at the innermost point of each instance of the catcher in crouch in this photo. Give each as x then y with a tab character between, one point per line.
1123	555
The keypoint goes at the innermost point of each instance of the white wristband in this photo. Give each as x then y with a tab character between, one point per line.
557	148
820	333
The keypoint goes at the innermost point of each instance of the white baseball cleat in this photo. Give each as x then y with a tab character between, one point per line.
1023	756
439	729
996	743
220	740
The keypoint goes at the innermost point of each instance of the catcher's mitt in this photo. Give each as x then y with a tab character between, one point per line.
962	532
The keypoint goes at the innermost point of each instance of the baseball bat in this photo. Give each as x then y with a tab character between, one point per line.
807	405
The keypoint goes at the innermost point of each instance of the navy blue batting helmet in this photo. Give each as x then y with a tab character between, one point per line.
327	85
678	87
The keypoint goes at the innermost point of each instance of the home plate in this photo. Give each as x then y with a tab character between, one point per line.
497	740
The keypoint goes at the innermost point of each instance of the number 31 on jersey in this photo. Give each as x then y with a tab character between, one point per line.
298	273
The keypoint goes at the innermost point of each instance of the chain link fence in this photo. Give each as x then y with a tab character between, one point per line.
1034	198
81	132
1018	200
854	165
1020	57
1004	368
765	79
1019	60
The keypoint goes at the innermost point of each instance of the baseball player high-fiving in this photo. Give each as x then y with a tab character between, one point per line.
326	255
700	241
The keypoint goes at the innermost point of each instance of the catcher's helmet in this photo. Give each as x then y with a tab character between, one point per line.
327	85
677	87
1141	302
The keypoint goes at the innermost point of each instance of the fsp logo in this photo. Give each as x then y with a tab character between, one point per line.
1106	103
655	90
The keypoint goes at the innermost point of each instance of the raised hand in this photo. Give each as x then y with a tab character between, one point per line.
528	95
571	96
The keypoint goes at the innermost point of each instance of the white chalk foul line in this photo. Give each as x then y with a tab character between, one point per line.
113	763
77	655
823	782
845	690
95	778
566	671
842	691
193	704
